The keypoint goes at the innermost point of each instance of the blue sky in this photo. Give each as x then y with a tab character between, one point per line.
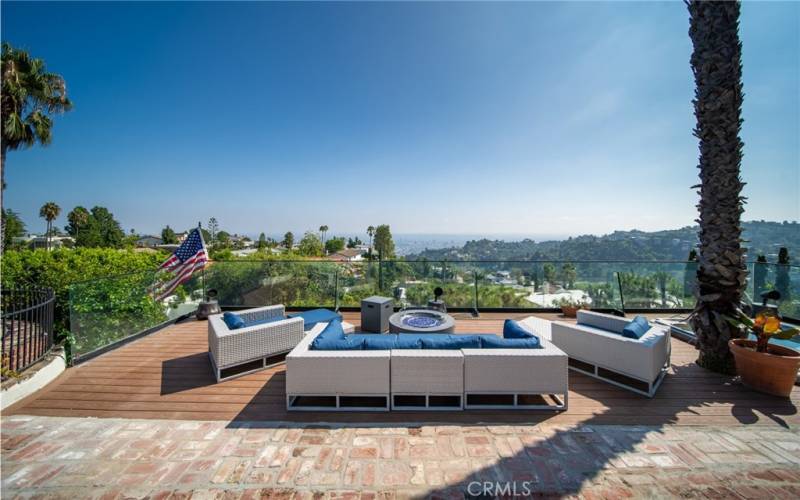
537	118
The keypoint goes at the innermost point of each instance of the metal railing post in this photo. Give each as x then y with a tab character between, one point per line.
336	290
380	273
475	312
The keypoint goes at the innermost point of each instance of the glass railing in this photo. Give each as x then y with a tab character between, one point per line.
107	310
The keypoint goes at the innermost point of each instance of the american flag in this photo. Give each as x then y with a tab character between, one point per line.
188	257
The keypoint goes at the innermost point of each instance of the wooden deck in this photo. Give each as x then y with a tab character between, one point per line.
167	375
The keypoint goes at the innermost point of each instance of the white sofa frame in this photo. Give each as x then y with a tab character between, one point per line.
428	374
229	349
334	375
644	361
513	373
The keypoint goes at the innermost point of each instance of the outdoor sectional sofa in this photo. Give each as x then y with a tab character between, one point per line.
424	372
596	347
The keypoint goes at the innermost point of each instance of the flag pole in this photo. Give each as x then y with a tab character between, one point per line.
200	230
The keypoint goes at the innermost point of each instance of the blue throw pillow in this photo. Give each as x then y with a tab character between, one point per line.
450	342
513	330
379	342
494	342
636	328
233	321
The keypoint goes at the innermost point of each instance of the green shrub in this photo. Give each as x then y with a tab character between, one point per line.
58	269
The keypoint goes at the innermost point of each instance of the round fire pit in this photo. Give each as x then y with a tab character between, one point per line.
421	321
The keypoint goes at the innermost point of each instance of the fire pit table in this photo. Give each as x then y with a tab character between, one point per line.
421	321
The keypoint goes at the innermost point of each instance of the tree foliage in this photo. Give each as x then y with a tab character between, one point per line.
334	245
288	240
13	227
168	236
60	268
31	95
384	243
310	245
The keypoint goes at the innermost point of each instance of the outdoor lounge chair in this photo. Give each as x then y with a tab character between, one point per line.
596	348
244	350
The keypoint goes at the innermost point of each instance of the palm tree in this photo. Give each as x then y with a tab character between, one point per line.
77	218
721	272
30	95
49	212
370	233
323	230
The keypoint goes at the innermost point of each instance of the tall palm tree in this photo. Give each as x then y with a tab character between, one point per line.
323	230
30	96
49	212
721	272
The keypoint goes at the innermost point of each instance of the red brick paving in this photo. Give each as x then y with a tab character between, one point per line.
50	457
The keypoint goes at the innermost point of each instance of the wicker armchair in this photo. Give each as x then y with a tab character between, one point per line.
236	352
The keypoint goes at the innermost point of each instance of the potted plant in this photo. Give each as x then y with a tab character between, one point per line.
763	366
569	306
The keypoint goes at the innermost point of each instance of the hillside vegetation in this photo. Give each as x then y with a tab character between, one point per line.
762	238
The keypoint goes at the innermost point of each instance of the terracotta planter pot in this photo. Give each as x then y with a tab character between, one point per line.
773	372
569	311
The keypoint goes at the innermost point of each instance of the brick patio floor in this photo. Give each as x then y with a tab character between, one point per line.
50	457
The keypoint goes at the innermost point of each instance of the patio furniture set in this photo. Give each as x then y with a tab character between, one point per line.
329	367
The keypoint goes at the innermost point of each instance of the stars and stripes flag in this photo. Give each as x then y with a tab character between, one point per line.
188	258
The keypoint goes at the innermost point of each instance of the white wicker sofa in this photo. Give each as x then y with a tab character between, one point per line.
596	348
237	352
425	379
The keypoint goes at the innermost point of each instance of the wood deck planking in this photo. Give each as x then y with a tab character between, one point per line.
167	375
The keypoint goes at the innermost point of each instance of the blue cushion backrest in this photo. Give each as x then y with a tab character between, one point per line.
636	328
333	338
314	316
405	341
439	341
495	342
377	342
513	330
233	321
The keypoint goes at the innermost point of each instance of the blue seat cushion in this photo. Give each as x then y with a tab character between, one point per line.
233	321
314	316
636	328
513	330
332	338
495	342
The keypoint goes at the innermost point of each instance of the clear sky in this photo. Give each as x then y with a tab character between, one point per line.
536	118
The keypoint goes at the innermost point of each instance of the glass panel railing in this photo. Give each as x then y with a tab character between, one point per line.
107	310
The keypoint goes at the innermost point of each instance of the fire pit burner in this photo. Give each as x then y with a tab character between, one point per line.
421	321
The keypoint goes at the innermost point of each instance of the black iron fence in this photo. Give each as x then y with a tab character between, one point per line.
27	327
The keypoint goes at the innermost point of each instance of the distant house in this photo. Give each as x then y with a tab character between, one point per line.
35	241
149	241
347	255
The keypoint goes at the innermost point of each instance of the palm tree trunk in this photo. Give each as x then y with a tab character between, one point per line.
3	151
721	272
